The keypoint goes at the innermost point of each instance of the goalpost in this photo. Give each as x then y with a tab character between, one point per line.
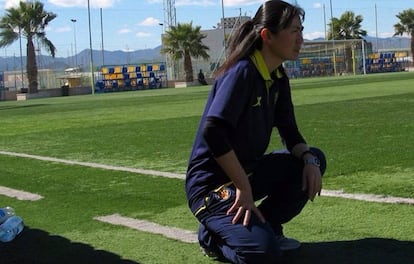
330	58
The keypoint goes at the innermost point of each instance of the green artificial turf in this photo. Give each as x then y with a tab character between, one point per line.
363	123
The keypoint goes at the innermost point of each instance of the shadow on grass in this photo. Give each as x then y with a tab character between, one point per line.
36	246
20	106
368	250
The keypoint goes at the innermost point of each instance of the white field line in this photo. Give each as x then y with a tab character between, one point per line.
96	165
368	197
19	195
329	193
142	225
170	232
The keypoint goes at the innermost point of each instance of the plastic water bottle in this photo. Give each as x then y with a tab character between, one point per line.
5	213
11	228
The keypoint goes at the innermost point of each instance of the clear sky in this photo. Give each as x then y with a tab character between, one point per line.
134	24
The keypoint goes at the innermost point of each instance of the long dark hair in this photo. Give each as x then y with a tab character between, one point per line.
274	15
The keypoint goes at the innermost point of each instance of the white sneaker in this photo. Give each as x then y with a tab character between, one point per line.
286	244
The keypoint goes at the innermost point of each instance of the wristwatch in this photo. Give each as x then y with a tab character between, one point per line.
313	160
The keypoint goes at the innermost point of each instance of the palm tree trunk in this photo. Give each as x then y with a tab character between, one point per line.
31	67
188	67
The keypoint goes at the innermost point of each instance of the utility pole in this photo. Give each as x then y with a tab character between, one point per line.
223	24
169	13
333	38
102	39
91	51
74	37
169	21
21	57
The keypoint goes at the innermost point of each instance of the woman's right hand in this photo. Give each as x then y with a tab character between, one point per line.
244	206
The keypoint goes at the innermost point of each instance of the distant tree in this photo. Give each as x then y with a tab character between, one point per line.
406	25
185	42
348	26
28	20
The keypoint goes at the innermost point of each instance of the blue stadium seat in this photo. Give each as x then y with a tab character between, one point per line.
140	81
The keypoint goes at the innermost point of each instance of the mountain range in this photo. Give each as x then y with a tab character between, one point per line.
142	56
83	59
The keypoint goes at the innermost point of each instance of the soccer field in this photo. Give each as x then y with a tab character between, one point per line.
363	123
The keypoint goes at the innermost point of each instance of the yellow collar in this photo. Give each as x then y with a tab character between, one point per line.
261	66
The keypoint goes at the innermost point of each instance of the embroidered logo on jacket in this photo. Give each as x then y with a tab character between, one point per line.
259	102
224	193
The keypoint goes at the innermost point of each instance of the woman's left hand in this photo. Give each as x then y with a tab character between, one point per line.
311	180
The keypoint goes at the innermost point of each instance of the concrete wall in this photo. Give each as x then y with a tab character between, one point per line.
55	92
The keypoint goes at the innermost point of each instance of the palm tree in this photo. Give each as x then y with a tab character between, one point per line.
348	26
406	25
28	20
185	41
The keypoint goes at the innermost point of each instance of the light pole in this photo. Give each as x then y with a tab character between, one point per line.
166	54
333	38
21	56
91	52
102	39
376	28
224	29
74	37
19	30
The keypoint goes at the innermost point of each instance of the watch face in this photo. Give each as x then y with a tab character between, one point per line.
314	161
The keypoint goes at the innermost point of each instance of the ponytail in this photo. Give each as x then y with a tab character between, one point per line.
241	44
275	15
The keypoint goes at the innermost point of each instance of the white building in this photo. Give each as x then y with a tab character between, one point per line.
215	41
